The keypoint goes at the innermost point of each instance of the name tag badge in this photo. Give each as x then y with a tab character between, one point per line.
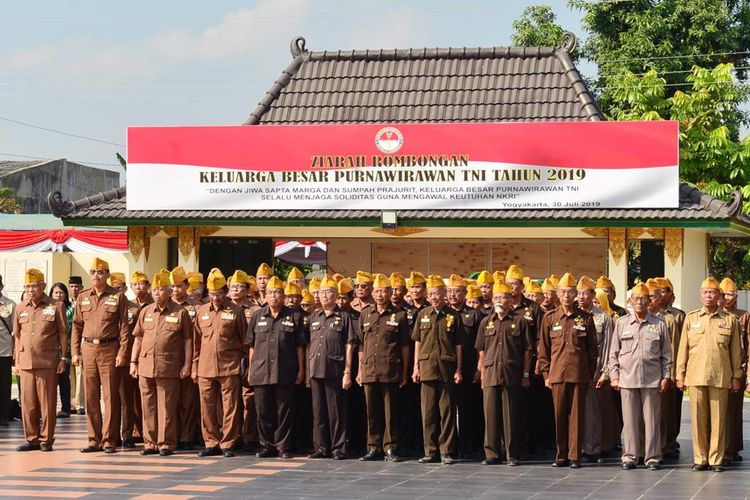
651	329
50	311
425	320
110	302
579	327
391	323
364	325
228	316
148	319
23	314
557	328
262	323
695	325
722	325
287	323
205	317
86	302
627	335
172	319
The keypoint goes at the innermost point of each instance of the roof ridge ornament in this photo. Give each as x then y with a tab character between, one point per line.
569	42
735	203
297	47
58	206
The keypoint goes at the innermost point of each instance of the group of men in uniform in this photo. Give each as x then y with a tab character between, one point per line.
383	366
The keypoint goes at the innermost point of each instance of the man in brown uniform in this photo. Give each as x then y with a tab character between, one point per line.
485	282
296	277
735	403
262	275
41	340
709	364
505	350
362	291
277	338
100	343
217	352
195	287
162	355
439	336
189	412
567	361
383	368
329	356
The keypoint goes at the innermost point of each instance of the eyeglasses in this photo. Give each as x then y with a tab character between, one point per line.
97	272
641	299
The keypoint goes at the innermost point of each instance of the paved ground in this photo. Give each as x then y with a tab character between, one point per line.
65	473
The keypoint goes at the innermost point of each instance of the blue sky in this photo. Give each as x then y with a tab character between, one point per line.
95	67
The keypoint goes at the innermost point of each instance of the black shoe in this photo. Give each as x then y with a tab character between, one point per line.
81	411
654	466
28	447
561	463
628	465
318	454
339	455
149	451
165	452
185	445
491	461
699	467
447	460
575	464
248	447
228	453
372	454
110	449
390	456
285	455
513	462
717	468
265	453
90	449
129	443
737	458
63	414
429	459
210	452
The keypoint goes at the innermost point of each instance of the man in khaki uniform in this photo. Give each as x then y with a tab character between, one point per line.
219	329
262	275
640	360
189	412
505	351
162	355
709	364
438	339
567	360
41	342
383	368
735	403
666	289
100	343
276	336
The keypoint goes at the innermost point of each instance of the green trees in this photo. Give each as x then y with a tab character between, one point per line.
8	202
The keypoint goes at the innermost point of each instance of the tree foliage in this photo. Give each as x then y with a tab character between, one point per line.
537	27
8	202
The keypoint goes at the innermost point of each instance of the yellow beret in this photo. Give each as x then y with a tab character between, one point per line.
328	282
514	273
216	280
138	276
264	270
485	278
345	286
710	282
116	279
667	284
295	274
100	264
534	287
239	276
526	281
652	285
307	297
456	281
662	282
639	290
567	281
178	275
473	292
253	285
728	285
161	279
501	287
193	277
33	275
585	283
435	281
292	289
604	282
416	278
470	281
337	277
363	277
274	283
314	284
548	286
380	281
397	279
554	279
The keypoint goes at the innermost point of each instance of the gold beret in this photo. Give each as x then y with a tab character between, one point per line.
161	279
416	278
397	279
554	279
485	278
710	282
514	273
307	298
456	281
328	282
337	277
116	279
363	277
193	277
586	283
728	285
264	270
668	284
435	281
33	275
652	285
501	287
295	274
216	280
567	281
534	287
274	283
292	289
239	276
99	264
639	290
473	292
314	285
604	282
548	286
178	275
526	281
380	281
138	276
345	286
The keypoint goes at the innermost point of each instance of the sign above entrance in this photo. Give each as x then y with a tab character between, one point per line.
534	165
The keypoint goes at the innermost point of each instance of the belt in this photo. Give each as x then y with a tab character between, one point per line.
100	341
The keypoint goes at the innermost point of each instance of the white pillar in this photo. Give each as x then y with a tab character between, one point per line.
686	264
617	262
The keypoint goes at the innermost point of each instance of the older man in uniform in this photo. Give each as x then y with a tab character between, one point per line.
329	356
195	287
262	275
276	336
162	355
567	360
469	392
549	292
293	295
78	403
599	403
734	405
604	283
362	291
709	363
505	351
296	277
383	368
100	342
485	282
640	360
41	342
189	412
438	347
217	353
474	297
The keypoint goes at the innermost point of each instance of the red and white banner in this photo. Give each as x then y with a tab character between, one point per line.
533	165
57	240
